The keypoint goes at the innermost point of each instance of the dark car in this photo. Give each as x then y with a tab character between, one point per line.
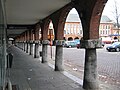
114	47
78	46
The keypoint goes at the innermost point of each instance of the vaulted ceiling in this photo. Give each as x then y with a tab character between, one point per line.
29	12
22	14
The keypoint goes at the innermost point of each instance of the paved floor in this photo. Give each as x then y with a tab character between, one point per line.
30	74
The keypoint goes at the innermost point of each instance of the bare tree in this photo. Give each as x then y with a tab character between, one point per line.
116	15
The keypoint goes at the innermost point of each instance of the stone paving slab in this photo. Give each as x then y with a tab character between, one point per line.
30	74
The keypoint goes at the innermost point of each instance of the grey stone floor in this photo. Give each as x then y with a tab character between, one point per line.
30	74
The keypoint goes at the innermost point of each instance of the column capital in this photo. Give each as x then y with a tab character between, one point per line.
31	41
37	41
92	43
45	42
24	41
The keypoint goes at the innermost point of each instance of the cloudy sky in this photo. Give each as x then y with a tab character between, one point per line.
108	10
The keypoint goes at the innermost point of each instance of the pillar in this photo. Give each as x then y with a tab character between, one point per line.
36	50
24	45
44	50
29	40
59	20
31	48
20	45
27	47
90	68
59	56
36	38
90	74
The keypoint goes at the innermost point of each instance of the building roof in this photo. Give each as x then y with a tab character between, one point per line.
75	18
105	19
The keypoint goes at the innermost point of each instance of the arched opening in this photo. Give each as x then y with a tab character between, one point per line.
51	38
70	39
40	35
73	25
51	33
76	38
115	38
74	58
107	32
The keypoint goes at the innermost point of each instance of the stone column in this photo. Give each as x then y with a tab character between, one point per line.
59	56
90	69
44	50
26	47
31	48
36	50
22	45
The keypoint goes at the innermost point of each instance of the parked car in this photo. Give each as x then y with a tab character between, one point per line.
114	47
70	44
78	46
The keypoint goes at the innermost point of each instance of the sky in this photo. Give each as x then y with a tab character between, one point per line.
108	10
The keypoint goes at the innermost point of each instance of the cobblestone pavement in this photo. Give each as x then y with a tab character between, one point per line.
108	66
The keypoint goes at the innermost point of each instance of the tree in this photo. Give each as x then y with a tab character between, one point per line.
116	15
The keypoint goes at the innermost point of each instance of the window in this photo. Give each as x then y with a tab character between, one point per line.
75	29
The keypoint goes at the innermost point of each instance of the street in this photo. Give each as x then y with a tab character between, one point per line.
108	63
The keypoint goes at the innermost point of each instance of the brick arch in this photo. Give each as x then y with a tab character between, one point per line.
36	31
51	33
59	19
44	24
90	18
95	18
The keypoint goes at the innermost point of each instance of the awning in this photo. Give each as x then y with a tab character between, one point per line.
114	35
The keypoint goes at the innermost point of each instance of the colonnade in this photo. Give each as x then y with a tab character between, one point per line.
90	20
